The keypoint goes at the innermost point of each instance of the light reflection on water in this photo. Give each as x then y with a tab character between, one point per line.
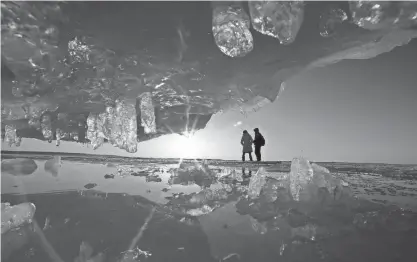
81	203
74	176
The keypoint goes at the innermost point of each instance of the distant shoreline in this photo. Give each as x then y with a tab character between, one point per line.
149	159
115	157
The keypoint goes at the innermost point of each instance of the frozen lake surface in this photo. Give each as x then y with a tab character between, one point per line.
205	211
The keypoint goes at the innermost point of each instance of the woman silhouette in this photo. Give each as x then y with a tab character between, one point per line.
246	142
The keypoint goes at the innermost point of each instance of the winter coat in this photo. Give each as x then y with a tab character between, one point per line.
259	140
246	142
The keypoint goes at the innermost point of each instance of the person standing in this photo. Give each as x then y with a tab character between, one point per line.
259	142
246	142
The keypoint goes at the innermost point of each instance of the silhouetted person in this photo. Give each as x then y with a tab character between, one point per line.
246	142
259	142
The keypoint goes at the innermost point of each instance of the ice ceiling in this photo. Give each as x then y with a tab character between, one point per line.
125	72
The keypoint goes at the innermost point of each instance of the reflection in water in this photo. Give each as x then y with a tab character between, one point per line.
211	211
244	173
52	166
14	240
18	166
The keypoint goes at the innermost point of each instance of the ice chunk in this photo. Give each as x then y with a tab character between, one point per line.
230	174
256	183
344	183
300	175
59	134
14	216
92	128
231	33
271	190
34	115
47	224
279	19
147	113
28	34
282	248
95	130
46	127
124	128
79	51
209	195
226	173
200	211
330	19
117	124
134	255
321	177
376	15
318	168
11	137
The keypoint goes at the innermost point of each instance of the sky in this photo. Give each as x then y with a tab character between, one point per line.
354	111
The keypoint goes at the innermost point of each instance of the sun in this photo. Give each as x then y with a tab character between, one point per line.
188	145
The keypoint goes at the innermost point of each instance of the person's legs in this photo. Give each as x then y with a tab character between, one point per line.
258	153
250	156
243	156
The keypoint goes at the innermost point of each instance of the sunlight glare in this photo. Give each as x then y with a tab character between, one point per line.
188	146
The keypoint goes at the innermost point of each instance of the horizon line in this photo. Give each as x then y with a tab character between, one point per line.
176	158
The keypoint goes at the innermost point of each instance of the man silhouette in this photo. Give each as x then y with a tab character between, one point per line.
259	142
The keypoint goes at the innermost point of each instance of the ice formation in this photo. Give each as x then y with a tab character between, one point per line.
300	175
147	112
11	137
231	30
376	15
117	125
14	216
279	19
256	183
329	21
47	69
